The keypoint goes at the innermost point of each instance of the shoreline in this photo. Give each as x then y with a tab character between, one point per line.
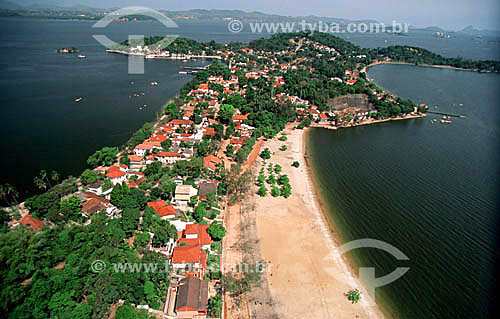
437	66
298	240
325	219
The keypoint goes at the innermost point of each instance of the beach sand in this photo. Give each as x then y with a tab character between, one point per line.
294	238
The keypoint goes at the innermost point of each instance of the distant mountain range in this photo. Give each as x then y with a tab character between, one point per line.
36	8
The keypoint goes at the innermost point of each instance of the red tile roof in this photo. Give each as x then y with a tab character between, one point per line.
144	146
241	117
158	138
161	208
115	174
211	161
188	254
93	205
200	231
135	158
169	154
34	223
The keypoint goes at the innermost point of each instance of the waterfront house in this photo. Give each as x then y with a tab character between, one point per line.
190	258
136	160
141	149
116	177
192	298
169	157
197	234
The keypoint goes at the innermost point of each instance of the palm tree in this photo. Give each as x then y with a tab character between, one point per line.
40	183
55	176
302	85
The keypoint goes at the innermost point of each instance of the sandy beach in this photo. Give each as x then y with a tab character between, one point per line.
294	238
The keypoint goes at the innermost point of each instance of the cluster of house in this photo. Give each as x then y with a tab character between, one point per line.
188	255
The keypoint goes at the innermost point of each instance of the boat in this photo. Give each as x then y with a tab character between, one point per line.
78	99
154	83
183	72
82	56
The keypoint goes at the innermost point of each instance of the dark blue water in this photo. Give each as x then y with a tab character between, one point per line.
429	189
45	129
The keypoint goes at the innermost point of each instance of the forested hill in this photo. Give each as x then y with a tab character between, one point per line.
419	56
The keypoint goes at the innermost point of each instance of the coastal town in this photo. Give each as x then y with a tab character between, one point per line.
170	193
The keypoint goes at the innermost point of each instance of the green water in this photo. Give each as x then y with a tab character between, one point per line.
430	190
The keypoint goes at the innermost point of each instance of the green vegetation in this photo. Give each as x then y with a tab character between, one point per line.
296	164
265	154
419	56
216	231
106	156
354	295
215	305
33	287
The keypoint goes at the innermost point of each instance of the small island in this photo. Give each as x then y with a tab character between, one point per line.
68	50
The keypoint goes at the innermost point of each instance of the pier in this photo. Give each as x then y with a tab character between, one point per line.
447	114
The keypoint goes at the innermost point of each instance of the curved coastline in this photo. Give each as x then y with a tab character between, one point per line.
328	226
437	66
306	261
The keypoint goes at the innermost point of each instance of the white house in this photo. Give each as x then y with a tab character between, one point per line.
140	150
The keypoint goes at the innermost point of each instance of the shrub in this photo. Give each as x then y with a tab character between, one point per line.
265	154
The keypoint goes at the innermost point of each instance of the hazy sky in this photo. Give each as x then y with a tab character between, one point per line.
451	14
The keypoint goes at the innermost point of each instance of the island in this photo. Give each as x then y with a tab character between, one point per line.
68	50
215	194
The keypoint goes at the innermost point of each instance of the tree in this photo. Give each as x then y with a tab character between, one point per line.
216	231
215	305
163	231
118	193
125	312
283	148
275	191
124	160
354	295
72	208
141	240
296	164
82	311
265	154
277	168
54	176
89	177
105	156
130	220
135	198
106	185
40	205
199	212
226	113
166	144
262	190
286	190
